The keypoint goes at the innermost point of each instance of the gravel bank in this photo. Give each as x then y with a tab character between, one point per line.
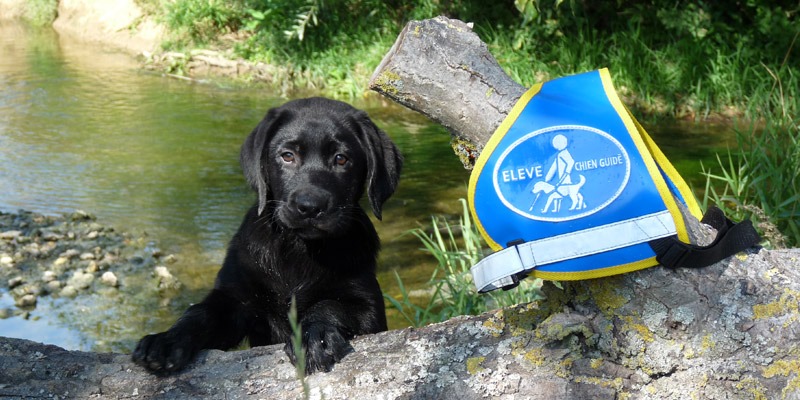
72	255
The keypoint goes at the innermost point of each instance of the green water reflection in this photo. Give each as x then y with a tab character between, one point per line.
81	128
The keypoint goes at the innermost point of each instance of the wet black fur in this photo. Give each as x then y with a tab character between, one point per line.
306	237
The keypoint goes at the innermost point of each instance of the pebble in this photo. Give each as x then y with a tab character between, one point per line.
54	286
51	236
109	279
80	280
64	255
7	260
48	276
165	279
80	215
28	288
60	261
14	282
70	253
10	235
68	291
92	267
33	251
162	272
28	300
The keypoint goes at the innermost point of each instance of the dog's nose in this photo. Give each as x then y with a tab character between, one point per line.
309	205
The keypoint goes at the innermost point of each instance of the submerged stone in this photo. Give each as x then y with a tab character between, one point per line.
109	279
28	300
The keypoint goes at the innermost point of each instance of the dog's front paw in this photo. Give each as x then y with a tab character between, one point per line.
163	352
324	346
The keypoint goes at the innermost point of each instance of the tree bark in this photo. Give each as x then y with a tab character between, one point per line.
725	331
441	69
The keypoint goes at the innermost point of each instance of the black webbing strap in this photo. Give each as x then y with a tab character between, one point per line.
731	239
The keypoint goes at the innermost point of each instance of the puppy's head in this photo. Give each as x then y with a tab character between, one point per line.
310	159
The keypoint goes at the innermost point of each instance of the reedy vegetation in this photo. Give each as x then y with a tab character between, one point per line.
452	291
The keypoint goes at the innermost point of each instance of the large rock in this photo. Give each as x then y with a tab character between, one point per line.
12	9
117	23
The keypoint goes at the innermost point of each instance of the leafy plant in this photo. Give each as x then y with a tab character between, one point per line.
204	20
256	18
457	249
307	16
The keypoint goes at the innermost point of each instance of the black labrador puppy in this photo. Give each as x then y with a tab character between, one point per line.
307	238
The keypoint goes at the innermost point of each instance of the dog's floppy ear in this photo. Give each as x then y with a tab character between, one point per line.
251	157
384	162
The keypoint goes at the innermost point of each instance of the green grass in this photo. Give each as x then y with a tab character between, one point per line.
452	291
762	182
684	59
299	349
759	179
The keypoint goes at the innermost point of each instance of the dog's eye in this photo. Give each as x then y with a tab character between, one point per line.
340	159
287	156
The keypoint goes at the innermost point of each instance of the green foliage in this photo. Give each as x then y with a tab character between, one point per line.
204	20
762	182
684	59
453	292
41	12
307	16
674	58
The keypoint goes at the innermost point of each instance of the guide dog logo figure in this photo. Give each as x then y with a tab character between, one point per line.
586	166
564	187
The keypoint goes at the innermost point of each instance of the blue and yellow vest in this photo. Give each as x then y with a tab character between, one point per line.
570	186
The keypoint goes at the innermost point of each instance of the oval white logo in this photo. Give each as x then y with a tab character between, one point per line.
561	173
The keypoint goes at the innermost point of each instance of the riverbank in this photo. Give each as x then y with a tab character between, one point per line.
118	24
685	61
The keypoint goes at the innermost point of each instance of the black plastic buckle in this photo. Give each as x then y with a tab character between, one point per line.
519	276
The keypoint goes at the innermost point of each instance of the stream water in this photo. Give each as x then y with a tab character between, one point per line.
83	128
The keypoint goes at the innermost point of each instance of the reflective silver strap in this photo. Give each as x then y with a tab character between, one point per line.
496	270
